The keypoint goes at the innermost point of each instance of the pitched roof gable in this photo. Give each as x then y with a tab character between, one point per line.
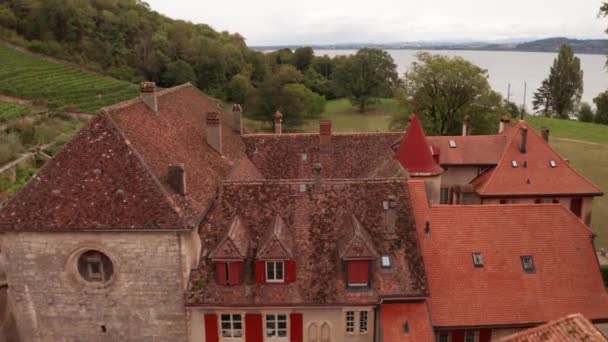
278	242
570	328
234	244
97	182
470	149
414	152
534	174
355	243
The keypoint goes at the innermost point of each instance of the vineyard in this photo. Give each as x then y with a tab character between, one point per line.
57	86
9	111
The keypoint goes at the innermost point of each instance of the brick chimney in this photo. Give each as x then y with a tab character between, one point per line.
504	123
147	92
544	132
278	122
523	144
325	131
237	111
176	177
466	126
214	131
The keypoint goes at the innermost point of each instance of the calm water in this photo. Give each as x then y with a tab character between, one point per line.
516	68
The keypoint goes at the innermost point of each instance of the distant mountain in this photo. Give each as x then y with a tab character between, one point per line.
586	46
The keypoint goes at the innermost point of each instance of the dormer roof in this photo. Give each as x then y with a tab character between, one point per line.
234	244
414	152
355	242
277	243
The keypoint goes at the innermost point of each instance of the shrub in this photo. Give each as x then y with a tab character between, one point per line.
10	147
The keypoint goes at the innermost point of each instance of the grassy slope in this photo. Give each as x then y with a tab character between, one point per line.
58	85
572	129
10	111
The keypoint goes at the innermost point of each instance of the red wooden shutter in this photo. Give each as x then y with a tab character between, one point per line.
576	206
235	270
254	329
290	271
457	336
260	272
358	272
220	268
485	335
211	329
297	330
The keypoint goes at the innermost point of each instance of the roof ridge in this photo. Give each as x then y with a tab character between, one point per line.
145	166
510	136
306	134
136	100
331	181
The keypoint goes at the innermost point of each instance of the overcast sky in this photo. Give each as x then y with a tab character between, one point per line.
275	22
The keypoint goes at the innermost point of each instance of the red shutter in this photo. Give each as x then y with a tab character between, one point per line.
457	336
290	271
358	272
485	335
254	329
297	330
260	272
211	329
220	268
235	269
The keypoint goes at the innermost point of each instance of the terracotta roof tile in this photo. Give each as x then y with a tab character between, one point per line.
470	149
415	314
566	279
414	152
355	242
570	328
235	243
277	243
314	218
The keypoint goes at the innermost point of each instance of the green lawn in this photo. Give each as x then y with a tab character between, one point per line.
10	111
571	129
59	86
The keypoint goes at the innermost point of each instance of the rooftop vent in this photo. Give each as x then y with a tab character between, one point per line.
553	163
477	260
452	144
514	163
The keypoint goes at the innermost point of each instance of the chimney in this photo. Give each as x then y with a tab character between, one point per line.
316	170
544	131
147	92
504	123
325	131
214	131
237	111
176	177
466	126
523	145
278	123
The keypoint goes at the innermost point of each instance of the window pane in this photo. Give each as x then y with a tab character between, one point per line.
282	325
270	270
279	270
238	333
236	318
282	333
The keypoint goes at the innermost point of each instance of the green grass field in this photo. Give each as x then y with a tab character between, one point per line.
571	129
58	85
10	111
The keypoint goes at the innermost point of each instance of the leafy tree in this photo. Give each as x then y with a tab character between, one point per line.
585	113
601	114
319	84
239	89
302	58
513	109
296	102
366	76
562	90
324	66
442	90
178	72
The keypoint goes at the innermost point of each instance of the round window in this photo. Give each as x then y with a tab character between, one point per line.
95	267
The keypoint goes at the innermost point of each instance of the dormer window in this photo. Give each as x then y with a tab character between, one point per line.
358	273
275	272
229	273
477	260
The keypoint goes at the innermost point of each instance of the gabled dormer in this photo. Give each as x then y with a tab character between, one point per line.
356	252
274	260
230	253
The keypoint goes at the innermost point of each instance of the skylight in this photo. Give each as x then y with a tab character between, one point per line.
514	163
452	144
385	261
553	163
477	260
304	157
527	262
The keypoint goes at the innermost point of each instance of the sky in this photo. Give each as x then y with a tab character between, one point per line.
284	22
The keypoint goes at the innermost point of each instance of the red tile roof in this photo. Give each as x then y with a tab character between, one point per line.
414	152
314	219
415	314
570	328
470	149
533	174
567	276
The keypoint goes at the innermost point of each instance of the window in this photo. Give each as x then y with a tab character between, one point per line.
444	196
95	267
276	325
470	336
325	332
313	333
477	260
514	163
232	325
358	273
527	262
275	272
350	322
444	337
406	328
363	321
385	261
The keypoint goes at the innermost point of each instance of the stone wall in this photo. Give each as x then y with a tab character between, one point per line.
142	302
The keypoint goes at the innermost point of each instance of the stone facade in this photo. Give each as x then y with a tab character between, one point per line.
142	302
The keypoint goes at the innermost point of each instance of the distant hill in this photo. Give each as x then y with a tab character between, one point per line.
587	46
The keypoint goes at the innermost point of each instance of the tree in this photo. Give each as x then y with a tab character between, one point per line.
585	113
302	58
239	89
442	90
178	72
601	113
366	76
296	102
562	90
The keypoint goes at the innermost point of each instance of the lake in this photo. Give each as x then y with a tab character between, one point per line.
512	67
